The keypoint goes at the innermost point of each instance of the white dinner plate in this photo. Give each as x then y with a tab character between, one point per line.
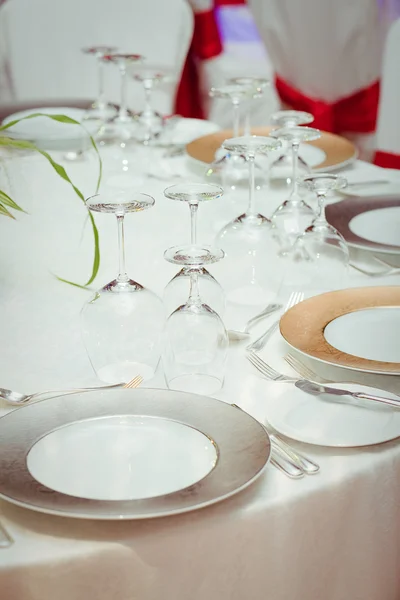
372	333
325	422
185	130
128	454
48	134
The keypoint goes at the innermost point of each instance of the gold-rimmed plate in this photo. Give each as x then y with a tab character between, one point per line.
328	153
356	329
128	454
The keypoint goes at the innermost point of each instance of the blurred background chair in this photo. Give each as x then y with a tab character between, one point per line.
388	129
226	44
327	58
41	42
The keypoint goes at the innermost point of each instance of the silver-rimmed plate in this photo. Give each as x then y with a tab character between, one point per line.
128	454
368	223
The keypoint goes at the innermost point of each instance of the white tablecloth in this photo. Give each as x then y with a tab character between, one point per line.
334	536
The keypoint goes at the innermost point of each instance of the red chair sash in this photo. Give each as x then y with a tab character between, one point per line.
355	113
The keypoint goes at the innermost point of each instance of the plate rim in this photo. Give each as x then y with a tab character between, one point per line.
321	349
239	467
300	438
348	209
325	166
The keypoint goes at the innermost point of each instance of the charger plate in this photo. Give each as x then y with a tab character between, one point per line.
333	151
357	329
128	454
368	223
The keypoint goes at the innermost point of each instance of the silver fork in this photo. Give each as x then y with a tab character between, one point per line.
303	370
266	369
295	298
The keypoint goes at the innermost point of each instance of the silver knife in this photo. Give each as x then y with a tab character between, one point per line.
316	389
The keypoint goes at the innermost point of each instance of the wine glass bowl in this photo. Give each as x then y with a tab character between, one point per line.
122	323
196	340
321	253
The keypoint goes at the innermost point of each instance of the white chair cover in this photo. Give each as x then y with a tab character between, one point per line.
45	38
388	129
326	49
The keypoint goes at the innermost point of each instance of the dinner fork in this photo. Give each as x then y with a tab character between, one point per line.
266	369
294	298
303	370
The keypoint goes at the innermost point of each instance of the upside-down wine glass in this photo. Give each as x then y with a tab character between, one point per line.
230	168
259	84
175	292
247	241
282	169
122	324
196	341
150	122
121	128
320	254
292	217
100	109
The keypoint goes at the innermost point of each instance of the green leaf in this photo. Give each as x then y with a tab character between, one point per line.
5	212
59	169
5	199
62	119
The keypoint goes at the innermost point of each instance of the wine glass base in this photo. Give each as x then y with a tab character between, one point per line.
196	383
98	112
124	371
193	255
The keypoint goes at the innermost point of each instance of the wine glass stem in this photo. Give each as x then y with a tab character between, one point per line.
194	296
321	197
252	186
147	99
235	106
100	69
122	276
193	222
247	127
295	160
123	113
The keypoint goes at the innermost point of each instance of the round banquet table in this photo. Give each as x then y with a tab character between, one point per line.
334	536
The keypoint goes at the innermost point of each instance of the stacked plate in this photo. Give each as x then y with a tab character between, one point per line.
357	330
128	454
48	134
369	223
